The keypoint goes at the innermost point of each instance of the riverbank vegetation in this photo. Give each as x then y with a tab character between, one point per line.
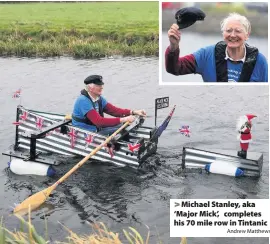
226	8
101	235
80	29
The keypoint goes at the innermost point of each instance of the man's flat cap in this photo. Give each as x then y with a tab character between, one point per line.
186	17
95	79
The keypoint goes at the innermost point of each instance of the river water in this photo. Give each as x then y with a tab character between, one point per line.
122	197
191	42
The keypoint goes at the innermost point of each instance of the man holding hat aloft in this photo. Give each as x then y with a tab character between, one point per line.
90	106
230	60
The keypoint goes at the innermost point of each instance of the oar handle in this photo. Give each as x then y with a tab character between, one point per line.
78	165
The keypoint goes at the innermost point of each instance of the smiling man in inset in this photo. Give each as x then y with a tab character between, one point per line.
231	60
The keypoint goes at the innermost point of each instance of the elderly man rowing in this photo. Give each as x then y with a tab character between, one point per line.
90	106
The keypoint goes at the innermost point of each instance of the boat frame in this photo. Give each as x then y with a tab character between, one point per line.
54	137
198	158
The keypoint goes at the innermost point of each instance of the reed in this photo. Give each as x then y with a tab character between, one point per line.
100	235
81	30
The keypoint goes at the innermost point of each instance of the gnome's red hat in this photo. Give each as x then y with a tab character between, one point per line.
250	116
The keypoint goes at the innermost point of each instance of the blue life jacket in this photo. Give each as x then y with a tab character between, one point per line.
85	119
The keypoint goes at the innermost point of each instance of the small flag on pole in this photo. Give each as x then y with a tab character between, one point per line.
165	123
17	94
184	130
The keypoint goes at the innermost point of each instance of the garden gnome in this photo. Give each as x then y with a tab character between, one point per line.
244	128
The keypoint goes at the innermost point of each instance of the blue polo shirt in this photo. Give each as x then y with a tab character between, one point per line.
206	66
81	107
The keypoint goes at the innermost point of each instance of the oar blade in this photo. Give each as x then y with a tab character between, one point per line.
34	201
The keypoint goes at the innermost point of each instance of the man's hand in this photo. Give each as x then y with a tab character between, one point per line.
174	37
140	112
129	119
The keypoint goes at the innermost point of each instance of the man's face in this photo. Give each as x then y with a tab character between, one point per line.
234	34
96	89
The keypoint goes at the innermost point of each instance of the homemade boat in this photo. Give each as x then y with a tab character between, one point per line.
224	161
40	135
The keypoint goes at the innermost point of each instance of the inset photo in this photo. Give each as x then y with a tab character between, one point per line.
214	42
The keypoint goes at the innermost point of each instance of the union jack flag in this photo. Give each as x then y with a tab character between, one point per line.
17	94
134	147
57	130
184	130
24	115
17	123
49	133
73	136
110	150
39	123
88	139
165	123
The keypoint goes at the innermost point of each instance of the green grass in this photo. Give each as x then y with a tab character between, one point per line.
227	8
87	30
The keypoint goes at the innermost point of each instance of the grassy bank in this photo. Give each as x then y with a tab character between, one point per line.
100	235
227	8
83	30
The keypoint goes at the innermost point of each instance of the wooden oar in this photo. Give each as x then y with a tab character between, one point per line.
40	197
183	240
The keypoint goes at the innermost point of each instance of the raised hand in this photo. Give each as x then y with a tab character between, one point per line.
174	36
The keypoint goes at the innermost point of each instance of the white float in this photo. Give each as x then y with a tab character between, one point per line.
21	167
224	169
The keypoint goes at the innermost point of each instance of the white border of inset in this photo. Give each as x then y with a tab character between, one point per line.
161	58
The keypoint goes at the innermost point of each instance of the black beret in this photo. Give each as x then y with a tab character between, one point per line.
95	79
186	17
